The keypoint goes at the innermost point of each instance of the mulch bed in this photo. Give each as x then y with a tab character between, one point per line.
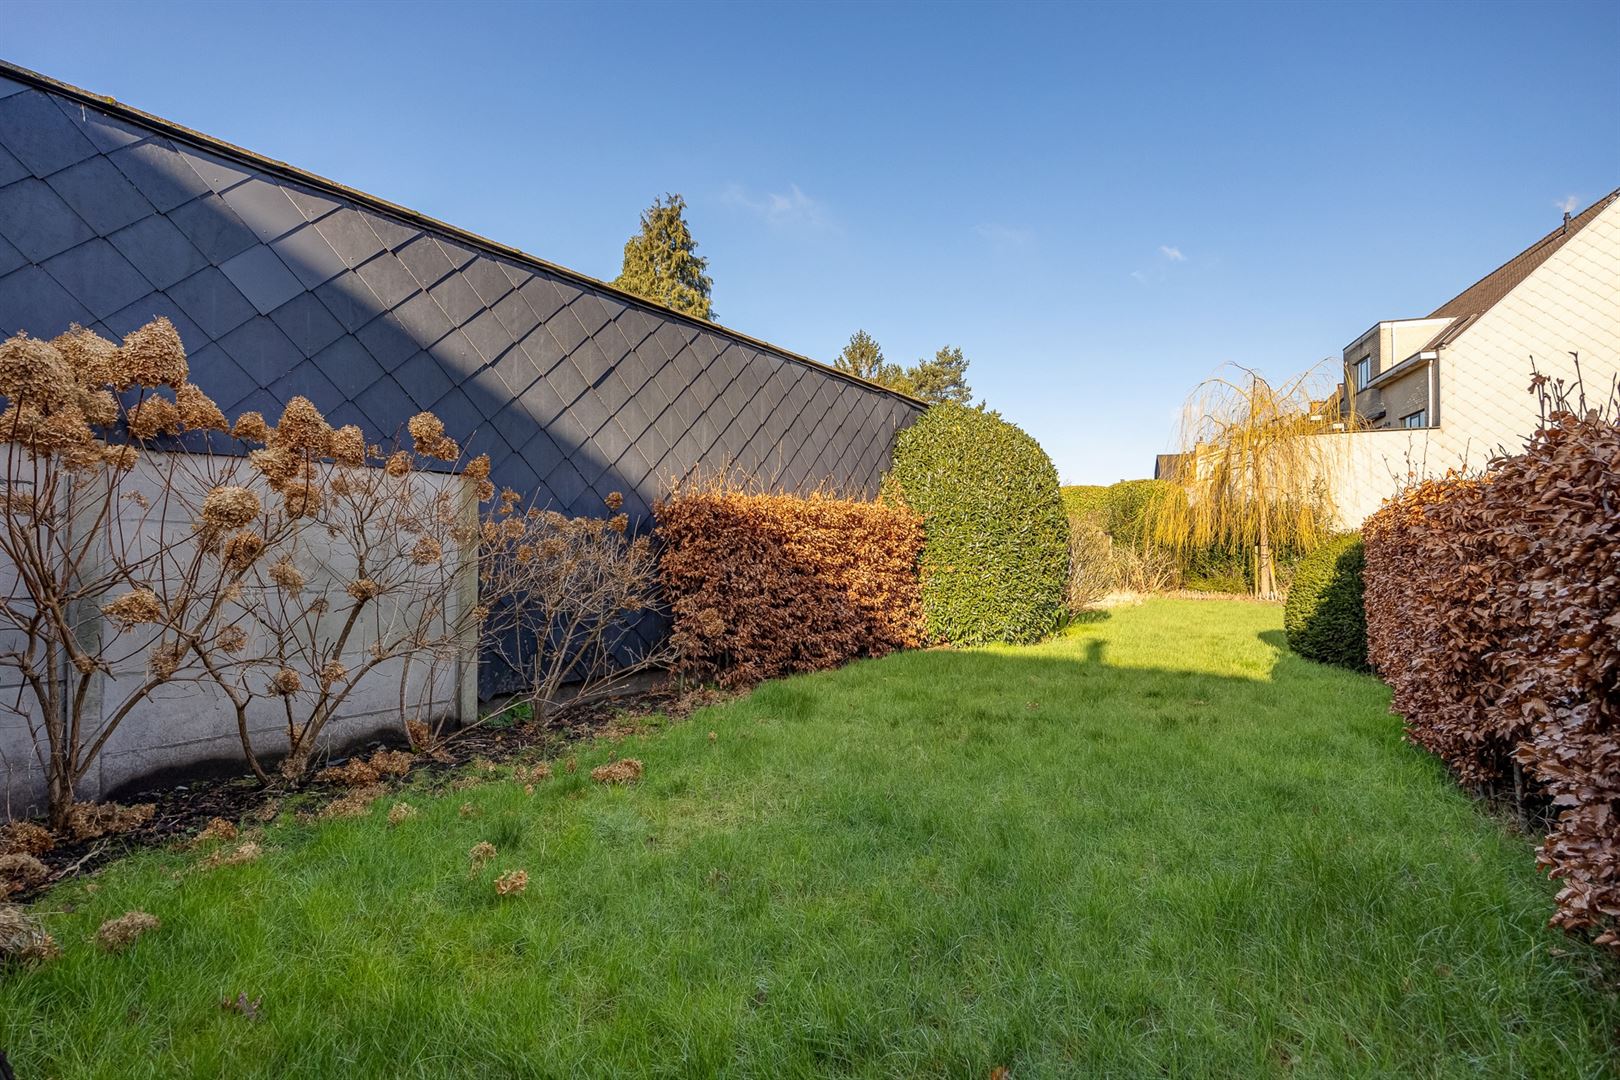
183	809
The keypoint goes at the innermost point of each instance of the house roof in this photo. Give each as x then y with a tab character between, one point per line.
412	217
1467	306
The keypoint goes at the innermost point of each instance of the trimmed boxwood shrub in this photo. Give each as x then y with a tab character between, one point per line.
996	556
1324	617
1088	502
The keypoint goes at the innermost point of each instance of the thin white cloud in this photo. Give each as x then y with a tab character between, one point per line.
1005	237
1567	204
1172	253
790	208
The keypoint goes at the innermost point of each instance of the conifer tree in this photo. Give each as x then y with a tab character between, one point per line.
662	264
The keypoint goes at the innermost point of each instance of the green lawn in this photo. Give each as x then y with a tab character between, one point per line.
1158	845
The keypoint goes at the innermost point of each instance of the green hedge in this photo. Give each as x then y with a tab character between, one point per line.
1088	502
996	559
1324	617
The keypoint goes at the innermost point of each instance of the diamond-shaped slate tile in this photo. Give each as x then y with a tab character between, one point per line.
31	300
307	323
213	227
159	173
264	208
212	302
38	135
260	348
307	254
37	222
100	195
262	277
349	366
98	276
159	250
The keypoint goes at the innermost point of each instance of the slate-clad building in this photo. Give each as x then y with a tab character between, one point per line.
283	283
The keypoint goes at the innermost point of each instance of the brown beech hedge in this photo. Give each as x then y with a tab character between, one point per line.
1493	610
767	585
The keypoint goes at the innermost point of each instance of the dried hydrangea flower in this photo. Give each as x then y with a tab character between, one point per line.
165	659
229	506
302	499
332	673
426	430
242	550
134	608
363	589
477	468
198	411
154	416
426	552
287	576
400	812
231	639
302	429
348	445
512	883
92	359
34	372
250	427
398	464
286	682
152	356
614	500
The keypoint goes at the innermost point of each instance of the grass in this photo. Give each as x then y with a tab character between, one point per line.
1157	845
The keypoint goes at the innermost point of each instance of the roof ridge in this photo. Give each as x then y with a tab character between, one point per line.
1558	237
214	144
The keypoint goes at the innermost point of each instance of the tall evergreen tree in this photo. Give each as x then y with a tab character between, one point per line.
662	264
863	357
944	378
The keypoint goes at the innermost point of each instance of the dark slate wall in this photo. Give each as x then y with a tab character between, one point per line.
281	286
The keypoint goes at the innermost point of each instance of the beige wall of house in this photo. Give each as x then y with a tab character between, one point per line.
1568	304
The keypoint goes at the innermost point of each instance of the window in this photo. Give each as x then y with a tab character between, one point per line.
1417	419
1363	372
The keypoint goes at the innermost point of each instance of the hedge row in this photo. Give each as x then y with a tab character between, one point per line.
1324	618
767	585
996	563
1492	609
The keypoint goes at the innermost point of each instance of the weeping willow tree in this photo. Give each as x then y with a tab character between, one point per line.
1253	475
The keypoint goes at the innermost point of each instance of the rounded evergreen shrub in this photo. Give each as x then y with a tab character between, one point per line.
995	559
1324	617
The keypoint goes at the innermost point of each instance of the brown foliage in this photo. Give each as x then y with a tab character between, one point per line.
23	939
25	838
512	883
767	585
364	772
1493	607
19	871
116	935
624	771
87	821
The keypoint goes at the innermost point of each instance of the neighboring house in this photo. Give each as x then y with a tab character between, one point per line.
1449	390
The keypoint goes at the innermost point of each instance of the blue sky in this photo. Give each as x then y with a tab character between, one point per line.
1100	204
